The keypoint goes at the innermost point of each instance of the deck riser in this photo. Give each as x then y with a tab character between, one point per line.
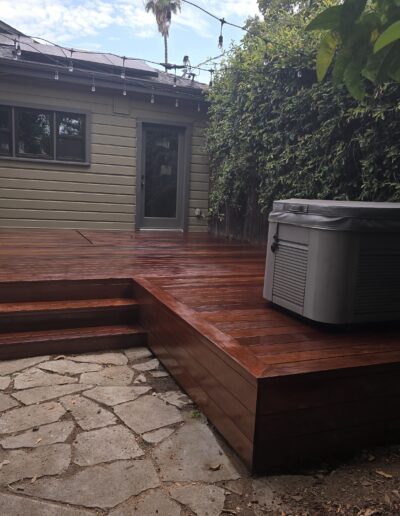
60	347
30	291
33	321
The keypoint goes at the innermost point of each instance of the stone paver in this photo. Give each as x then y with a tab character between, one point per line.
147	366
37	378
192	453
39	394
46	460
4	382
114	395
203	500
66	366
12	366
156	436
12	505
7	402
103	486
46	434
147	413
114	375
176	398
153	503
101	358
87	413
22	418
105	445
137	353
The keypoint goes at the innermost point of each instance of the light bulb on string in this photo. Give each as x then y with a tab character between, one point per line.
93	85
176	103
56	76
71	64
152	99
175	79
123	74
18	50
221	37
124	90
211	77
265	60
198	107
299	74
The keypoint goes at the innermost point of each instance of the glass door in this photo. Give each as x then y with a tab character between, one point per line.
162	177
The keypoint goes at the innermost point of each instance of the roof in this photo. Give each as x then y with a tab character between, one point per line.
46	58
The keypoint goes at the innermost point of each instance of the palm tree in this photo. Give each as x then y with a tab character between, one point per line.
162	10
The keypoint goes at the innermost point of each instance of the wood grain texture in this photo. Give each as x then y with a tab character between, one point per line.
281	390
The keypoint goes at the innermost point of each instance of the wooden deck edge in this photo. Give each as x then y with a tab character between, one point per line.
227	347
185	345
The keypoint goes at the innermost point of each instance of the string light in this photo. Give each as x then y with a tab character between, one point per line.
123	74
93	84
211	77
175	79
56	77
18	50
176	103
198	107
221	37
152	99
299	74
124	90
71	64
265	61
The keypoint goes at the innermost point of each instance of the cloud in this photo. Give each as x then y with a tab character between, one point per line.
62	21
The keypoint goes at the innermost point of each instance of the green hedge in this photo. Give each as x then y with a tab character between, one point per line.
275	132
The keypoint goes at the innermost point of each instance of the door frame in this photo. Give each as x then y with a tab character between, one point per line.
186	172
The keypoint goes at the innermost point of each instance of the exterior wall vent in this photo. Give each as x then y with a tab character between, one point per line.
290	273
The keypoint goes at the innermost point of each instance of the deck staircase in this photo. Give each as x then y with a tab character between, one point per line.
40	317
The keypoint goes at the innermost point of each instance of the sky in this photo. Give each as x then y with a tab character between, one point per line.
123	27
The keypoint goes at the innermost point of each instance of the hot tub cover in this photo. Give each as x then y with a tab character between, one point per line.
337	215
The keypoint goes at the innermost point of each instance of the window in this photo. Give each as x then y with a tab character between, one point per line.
42	134
33	133
70	140
5	131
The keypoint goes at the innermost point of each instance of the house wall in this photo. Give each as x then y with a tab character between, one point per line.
102	195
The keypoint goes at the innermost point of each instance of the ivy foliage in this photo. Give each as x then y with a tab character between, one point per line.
276	132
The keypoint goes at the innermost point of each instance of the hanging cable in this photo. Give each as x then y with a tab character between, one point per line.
123	74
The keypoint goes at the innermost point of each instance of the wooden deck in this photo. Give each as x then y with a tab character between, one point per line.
282	391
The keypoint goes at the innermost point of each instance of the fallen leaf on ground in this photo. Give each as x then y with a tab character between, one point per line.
383	473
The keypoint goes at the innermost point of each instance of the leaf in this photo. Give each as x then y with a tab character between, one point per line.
354	81
341	62
383	473
392	33
351	11
329	19
325	54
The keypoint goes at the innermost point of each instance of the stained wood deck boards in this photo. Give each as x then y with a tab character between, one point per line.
259	373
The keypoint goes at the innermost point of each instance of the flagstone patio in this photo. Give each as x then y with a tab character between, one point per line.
111	433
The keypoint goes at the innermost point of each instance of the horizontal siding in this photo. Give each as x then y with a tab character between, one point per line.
54	195
20	185
103	194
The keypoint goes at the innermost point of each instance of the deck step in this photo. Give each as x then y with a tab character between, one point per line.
70	340
48	315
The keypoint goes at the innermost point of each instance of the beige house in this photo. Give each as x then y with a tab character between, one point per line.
96	141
